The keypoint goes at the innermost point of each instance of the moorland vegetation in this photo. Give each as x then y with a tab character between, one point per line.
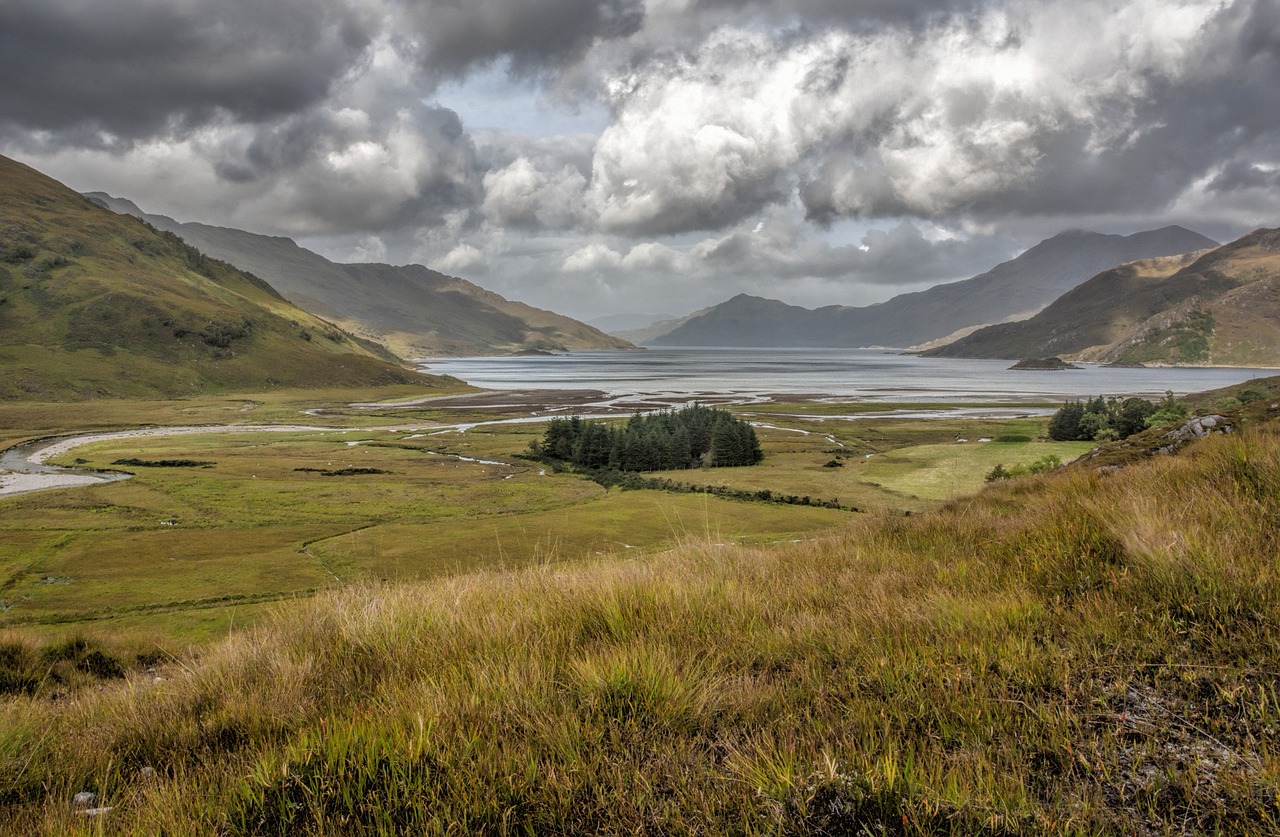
1084	651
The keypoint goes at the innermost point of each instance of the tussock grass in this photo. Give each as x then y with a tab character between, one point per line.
1065	654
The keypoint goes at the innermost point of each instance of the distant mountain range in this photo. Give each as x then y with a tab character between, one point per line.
95	304
1018	287
1218	307
415	311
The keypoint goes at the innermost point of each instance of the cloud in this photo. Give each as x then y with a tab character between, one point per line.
339	169
781	250
104	73
464	258
593	257
369	158
652	256
1028	107
832	149
371	249
523	196
1239	174
450	37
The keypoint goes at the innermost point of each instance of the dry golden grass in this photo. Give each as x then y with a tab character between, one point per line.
1066	654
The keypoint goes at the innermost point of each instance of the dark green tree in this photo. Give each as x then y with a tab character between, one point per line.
1065	424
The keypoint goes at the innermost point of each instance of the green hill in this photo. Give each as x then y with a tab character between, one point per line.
95	304
1217	307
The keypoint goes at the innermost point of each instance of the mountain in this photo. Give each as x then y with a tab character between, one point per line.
621	323
645	335
1220	307
413	310
95	304
1014	288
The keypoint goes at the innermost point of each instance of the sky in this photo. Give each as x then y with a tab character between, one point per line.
645	158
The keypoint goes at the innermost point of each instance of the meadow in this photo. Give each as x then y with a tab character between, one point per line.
179	555
1080	652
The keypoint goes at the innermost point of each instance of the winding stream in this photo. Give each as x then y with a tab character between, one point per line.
25	468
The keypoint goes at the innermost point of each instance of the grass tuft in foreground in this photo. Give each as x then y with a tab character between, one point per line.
1072	653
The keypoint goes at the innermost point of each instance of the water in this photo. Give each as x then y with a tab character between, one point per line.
847	374
15	459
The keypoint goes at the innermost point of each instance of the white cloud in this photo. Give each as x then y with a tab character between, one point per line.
651	255
370	249
592	257
521	195
461	259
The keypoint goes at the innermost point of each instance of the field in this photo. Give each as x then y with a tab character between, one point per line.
1081	652
178	555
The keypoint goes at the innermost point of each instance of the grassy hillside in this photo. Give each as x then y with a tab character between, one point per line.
1079	653
1240	326
94	304
412	309
1218	307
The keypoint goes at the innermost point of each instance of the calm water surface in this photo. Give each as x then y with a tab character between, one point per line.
847	374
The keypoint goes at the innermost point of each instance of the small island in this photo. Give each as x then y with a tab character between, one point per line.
1044	363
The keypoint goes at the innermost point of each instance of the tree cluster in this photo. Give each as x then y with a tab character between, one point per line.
1104	419
694	437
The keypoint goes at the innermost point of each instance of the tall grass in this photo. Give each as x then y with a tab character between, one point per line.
1066	654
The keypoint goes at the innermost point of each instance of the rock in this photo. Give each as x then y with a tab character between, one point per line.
83	799
1198	427
1107	470
147	773
96	812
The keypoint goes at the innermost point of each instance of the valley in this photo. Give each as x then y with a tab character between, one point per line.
259	574
360	493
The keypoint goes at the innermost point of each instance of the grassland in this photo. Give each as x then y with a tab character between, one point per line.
908	465
176	555
179	555
1076	653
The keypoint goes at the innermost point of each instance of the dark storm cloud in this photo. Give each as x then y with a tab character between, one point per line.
851	13
452	36
140	68
1241	175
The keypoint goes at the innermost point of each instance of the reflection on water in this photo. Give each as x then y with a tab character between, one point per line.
847	374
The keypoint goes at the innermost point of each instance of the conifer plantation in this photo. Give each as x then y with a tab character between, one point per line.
693	437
